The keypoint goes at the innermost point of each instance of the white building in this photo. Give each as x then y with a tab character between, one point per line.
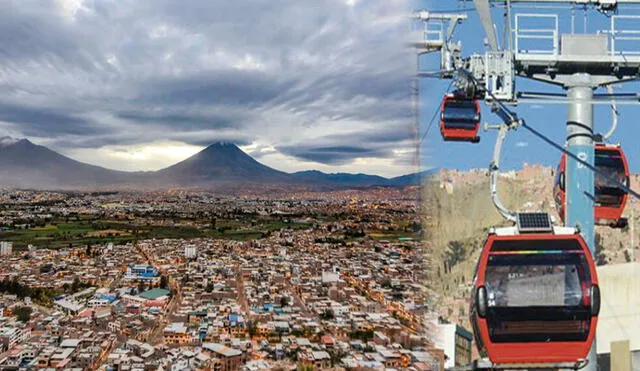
339	310
93	303
12	336
190	252
619	317
114	326
133	300
330	277
69	305
456	343
6	248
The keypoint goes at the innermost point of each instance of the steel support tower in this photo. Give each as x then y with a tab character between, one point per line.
579	180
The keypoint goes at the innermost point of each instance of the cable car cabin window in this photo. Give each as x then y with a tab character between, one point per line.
609	193
525	280
538	296
460	114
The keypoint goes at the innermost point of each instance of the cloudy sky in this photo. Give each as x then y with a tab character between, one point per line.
139	85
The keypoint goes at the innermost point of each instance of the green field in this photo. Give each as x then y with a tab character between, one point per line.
393	235
63	234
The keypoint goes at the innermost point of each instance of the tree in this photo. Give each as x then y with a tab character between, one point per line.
455	253
252	328
88	250
336	357
75	287
209	287
16	288
362	335
327	315
164	282
284	301
23	313
141	287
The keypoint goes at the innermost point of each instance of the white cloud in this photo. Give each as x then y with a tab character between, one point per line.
148	156
69	8
383	167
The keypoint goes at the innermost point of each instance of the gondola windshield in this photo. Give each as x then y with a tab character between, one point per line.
538	295
524	280
460	113
609	193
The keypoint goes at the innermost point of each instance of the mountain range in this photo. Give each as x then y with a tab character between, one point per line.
24	164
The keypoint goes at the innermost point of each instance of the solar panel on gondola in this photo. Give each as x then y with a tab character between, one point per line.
459	119
610	199
534	222
535	298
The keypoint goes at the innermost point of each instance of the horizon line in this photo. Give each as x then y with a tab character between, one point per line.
417	169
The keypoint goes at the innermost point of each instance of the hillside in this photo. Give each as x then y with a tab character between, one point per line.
221	166
25	164
220	162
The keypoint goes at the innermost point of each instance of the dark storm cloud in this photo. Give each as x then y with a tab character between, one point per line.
332	155
383	136
33	121
339	148
80	141
235	88
204	140
180	120
285	74
125	137
28	33
401	134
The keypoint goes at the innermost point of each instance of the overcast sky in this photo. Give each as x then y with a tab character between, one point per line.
139	85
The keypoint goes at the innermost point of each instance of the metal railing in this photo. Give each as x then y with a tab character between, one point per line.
624	35
434	32
541	33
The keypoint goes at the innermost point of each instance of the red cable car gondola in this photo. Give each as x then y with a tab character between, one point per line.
610	199
535	298
459	119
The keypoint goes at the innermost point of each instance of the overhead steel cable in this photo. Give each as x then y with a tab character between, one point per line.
582	162
437	110
512	120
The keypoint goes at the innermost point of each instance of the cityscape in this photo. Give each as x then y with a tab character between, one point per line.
190	280
340	185
214	185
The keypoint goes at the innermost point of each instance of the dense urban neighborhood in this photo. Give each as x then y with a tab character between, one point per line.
187	280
